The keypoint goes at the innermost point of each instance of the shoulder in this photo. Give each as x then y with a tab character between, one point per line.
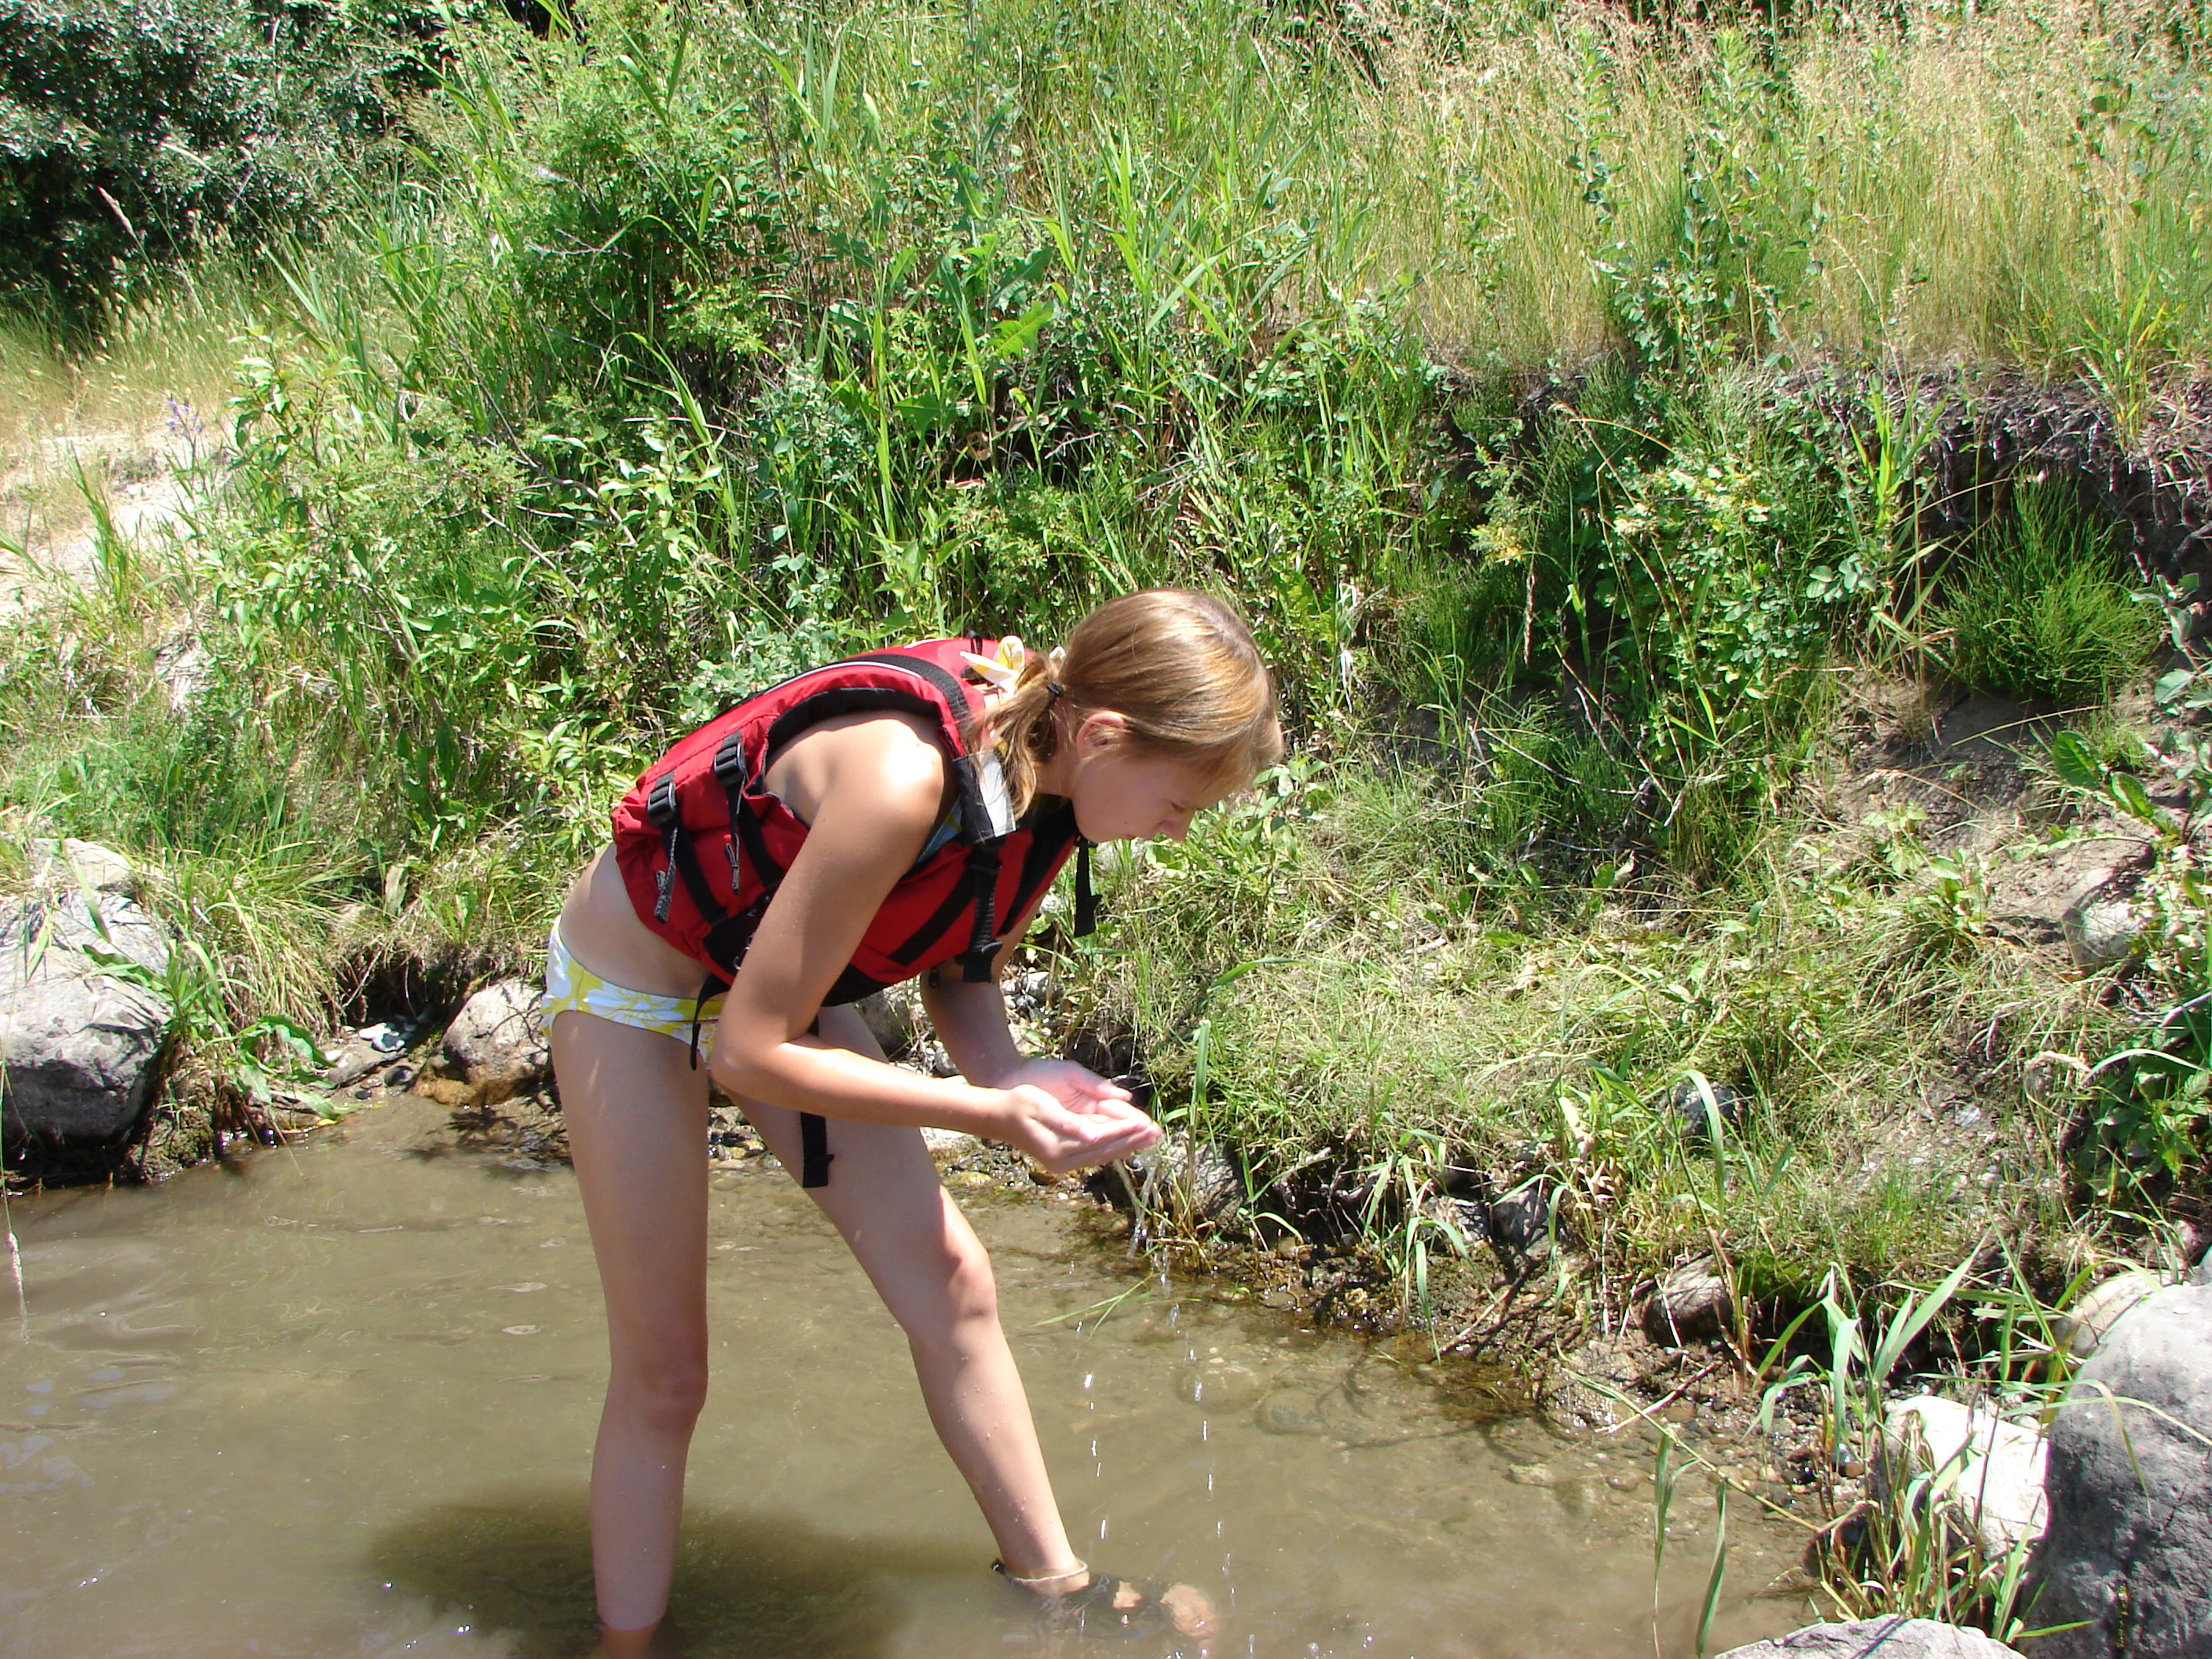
888	765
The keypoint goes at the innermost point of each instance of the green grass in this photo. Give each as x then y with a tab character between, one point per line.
2043	611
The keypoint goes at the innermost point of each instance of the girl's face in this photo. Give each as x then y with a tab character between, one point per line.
1120	793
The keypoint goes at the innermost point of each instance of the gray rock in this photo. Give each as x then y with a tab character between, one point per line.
2102	930
2194	1240
181	667
1208	1186
1690	1303
82	1042
82	865
950	1145
894	1017
1031	995
2084	1325
1894	1638
497	1042
1686	1103
368	1049
2130	1491
1521	1219
2203	1274
1988	1472
931	1057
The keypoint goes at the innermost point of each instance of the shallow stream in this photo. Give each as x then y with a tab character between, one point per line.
339	1400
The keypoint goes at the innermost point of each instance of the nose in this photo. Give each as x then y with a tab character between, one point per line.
1176	827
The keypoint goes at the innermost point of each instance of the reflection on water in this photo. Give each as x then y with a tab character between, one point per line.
340	1400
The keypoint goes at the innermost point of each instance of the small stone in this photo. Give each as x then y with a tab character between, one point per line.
950	1145
1686	1102
2194	1241
894	1017
2102	931
1692	1303
1531	1475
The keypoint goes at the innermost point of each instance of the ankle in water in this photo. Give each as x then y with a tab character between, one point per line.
1046	1583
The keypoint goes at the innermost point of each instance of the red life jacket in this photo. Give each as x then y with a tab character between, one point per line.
702	845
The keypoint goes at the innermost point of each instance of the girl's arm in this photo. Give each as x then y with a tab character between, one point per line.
871	791
971	1020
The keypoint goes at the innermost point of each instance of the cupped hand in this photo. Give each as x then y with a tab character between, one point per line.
1072	1085
1068	1118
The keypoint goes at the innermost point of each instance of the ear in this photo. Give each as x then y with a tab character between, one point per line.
1099	732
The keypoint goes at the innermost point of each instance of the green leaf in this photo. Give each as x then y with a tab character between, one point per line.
2071	760
2128	794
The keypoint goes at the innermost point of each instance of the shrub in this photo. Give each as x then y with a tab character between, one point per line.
132	130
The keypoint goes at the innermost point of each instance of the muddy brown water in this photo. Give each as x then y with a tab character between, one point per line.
339	1400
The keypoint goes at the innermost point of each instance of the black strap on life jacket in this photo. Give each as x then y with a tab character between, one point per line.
1086	901
981	888
814	1156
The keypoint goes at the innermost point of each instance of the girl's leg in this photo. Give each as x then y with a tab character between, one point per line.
932	1274
636	1116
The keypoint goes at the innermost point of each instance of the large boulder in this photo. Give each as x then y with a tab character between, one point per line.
81	1040
1893	1638
497	1042
2129	1550
83	864
2084	1325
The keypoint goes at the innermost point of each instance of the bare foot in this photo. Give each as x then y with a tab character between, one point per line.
1098	1604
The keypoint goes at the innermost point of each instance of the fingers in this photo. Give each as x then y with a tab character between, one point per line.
1073	1136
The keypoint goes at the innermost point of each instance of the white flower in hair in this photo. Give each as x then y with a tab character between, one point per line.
1002	670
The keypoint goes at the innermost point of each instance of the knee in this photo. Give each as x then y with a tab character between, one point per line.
967	1298
663	1390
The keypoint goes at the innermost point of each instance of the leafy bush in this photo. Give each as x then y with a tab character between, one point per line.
2042	612
132	130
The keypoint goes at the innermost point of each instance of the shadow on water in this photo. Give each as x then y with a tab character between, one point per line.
521	1563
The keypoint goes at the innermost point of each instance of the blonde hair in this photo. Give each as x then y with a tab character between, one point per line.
1180	668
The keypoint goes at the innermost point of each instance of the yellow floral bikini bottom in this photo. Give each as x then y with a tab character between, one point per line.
572	987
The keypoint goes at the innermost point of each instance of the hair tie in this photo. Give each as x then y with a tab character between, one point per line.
1054	690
